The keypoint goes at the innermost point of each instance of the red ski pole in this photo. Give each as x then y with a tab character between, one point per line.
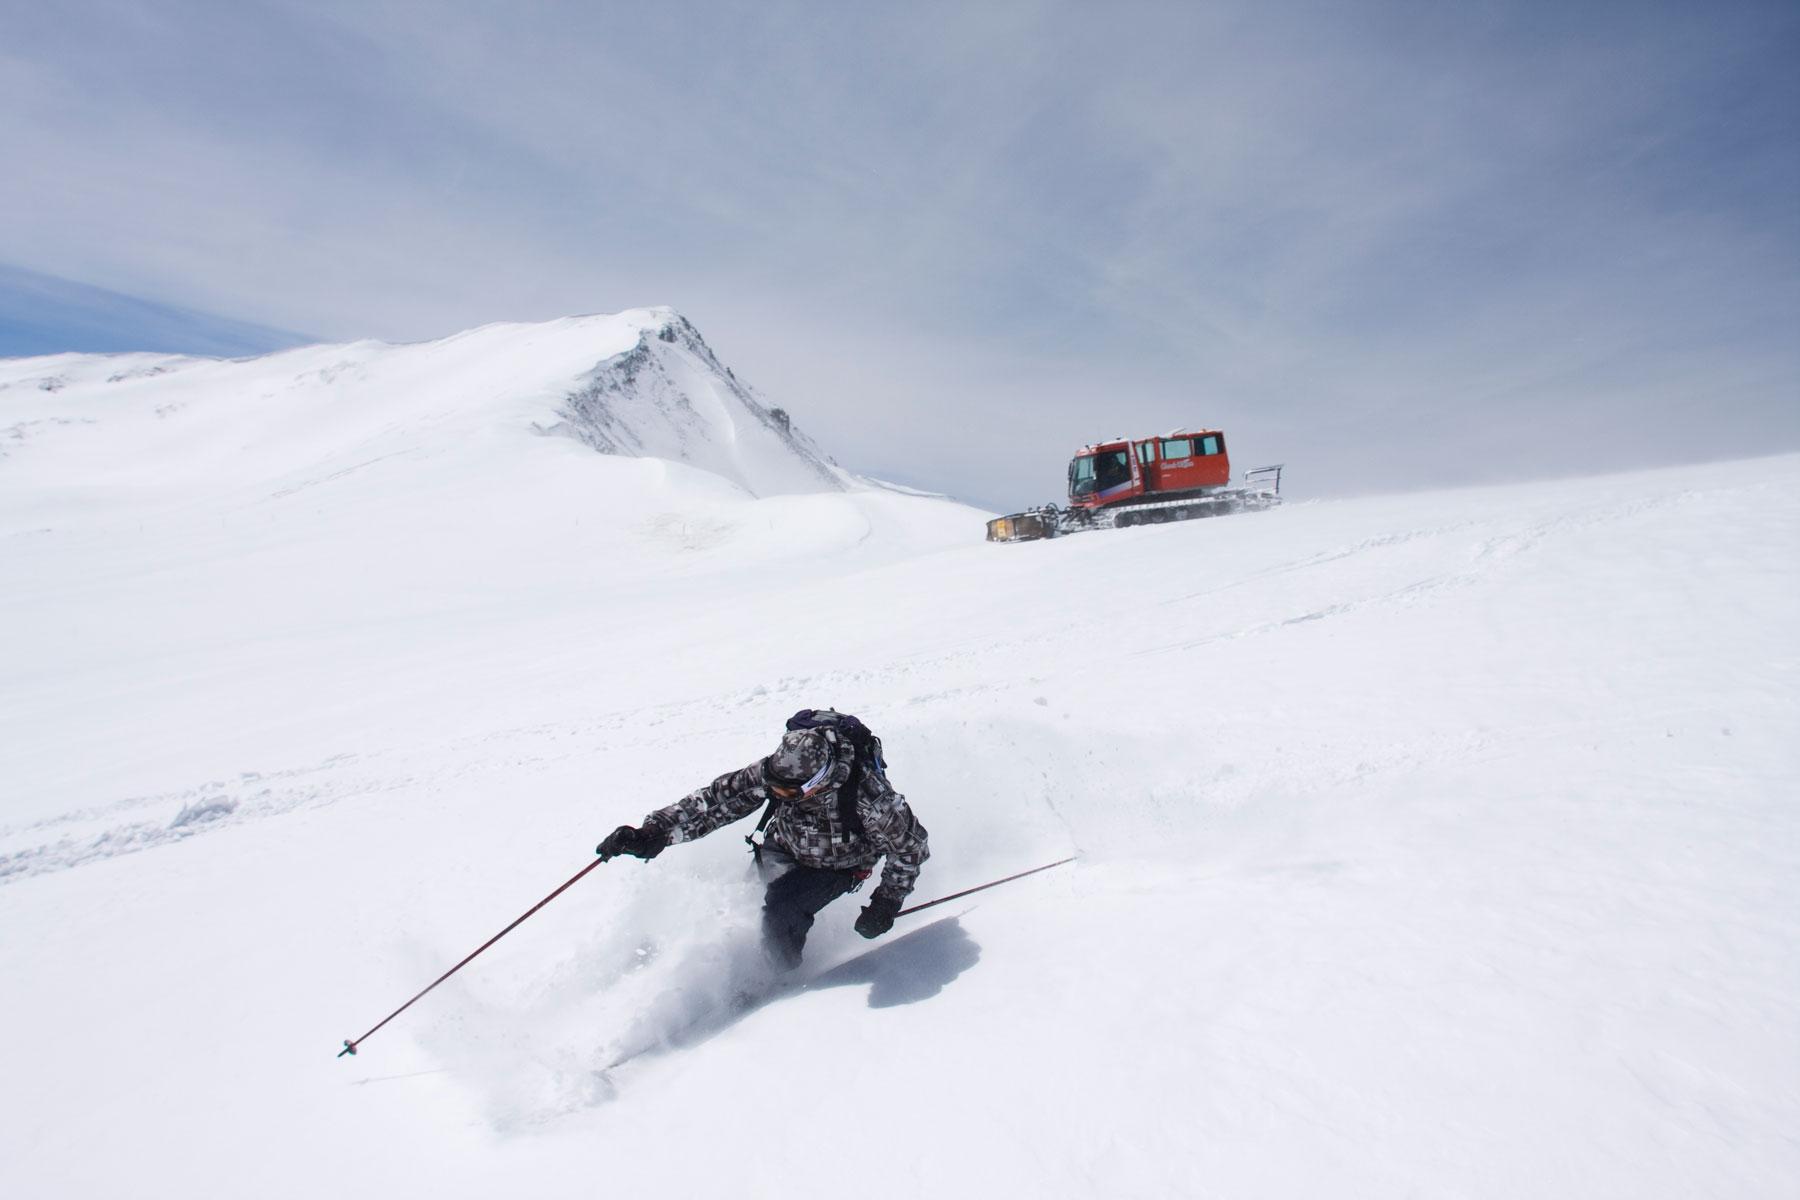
350	1046
984	887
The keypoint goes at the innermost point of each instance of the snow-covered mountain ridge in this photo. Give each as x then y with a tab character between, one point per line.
642	383
660	373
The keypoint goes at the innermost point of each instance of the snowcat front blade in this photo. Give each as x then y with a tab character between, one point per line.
1020	527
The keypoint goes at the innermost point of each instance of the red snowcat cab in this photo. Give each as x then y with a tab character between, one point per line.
1177	477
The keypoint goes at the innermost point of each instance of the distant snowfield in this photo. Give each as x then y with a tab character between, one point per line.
1437	844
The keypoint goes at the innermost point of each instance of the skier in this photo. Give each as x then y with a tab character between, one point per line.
832	814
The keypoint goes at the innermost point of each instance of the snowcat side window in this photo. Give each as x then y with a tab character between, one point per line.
1146	452
1209	444
1178	448
1113	467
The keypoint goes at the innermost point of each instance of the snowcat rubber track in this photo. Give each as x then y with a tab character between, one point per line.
1050	521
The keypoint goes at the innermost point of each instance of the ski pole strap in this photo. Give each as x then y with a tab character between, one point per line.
984	887
750	839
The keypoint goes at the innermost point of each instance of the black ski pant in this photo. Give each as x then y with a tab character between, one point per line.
792	900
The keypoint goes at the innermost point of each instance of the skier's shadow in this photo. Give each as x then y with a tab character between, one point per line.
909	969
905	971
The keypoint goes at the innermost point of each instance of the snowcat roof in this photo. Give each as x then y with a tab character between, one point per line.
1115	443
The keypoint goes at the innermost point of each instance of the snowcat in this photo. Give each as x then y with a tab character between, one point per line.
1139	481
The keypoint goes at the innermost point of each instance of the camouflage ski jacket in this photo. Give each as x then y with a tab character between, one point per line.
810	828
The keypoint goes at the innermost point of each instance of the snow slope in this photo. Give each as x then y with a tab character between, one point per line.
1433	844
348	508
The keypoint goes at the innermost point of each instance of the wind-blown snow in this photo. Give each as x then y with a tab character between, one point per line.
1435	844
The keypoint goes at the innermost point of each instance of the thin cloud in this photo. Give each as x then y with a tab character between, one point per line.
958	240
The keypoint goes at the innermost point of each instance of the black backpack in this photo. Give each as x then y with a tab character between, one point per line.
866	756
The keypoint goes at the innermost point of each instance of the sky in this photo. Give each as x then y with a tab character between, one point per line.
1391	244
41	314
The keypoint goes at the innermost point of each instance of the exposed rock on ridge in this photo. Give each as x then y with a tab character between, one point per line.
671	397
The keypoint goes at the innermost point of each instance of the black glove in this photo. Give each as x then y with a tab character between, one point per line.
647	842
877	917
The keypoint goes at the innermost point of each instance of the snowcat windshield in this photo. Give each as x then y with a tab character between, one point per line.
1092	473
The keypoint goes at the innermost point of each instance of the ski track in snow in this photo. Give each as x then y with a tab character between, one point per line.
250	798
1492	553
